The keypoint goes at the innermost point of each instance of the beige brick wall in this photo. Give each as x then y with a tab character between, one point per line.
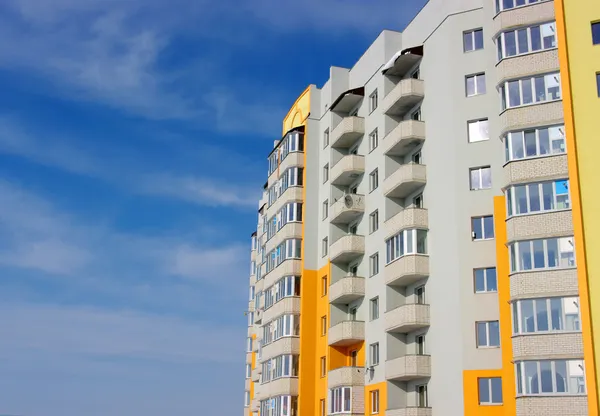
287	268
410	411
528	65
535	170
289	305
293	194
358	401
290	230
346	376
548	346
407	218
347	129
280	386
408	367
347	244
536	13
406	270
552	406
544	284
534	115
405	88
405	133
347	286
542	225
286	345
346	332
292	159
407	316
409	172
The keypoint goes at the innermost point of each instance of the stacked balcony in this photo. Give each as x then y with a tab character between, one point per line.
346	333
405	180
407	318
347	170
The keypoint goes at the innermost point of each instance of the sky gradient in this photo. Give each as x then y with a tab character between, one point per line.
133	143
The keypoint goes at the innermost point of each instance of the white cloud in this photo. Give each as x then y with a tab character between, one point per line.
209	263
62	331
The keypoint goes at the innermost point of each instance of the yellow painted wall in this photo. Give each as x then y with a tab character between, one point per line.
253	366
471	377
579	62
382	387
298	112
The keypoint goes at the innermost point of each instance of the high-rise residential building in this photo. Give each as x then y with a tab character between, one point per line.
428	240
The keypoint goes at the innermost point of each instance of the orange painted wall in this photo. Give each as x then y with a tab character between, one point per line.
382	387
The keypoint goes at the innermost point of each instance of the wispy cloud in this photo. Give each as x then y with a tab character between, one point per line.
59	152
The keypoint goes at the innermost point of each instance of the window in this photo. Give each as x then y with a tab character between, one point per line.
279	406
551	253
422	399
374	402
488	334
249	344
481	178
373	140
326	173
373	101
248	370
546	315
323	325
475	84
420	344
374	354
510	4
416	115
325	208
323	408
374	221
373	180
253	242
546	377
404	243
323	366
538	197
473	40
485	280
250	318
374	308
325	138
246	398
418	201
280	366
544	141
285	287
324	286
417	158
353	358
478	130
352	314
324	246
490	390
340	400
531	90
252	293
289	249
283	326
526	40
420	295
374	264
291	212
482	227
596	33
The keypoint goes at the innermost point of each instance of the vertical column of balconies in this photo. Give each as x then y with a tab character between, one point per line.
406	259
547	345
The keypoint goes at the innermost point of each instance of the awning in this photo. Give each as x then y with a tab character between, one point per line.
402	61
348	100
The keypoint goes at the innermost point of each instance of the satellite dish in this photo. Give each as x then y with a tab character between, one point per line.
348	201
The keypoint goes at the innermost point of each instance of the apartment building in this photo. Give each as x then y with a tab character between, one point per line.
426	236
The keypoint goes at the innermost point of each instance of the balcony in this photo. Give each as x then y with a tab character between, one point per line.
405	180
407	270
346	376
346	333
407	318
348	132
347	169
348	208
247	383
410	411
255	375
405	95
408	367
403	61
347	248
347	289
408	135
407	218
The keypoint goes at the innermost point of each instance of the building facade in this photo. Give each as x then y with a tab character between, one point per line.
426	236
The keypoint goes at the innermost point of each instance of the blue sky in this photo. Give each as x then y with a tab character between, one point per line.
133	137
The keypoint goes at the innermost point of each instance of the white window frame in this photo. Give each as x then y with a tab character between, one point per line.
325	138
574	380
374	397
567	304
530	82
479	186
374	354
500	6
374	264
340	400
246	398
488	326
373	180
404	243
546	191
478	130
374	221
564	259
477	89
487	384
373	101
248	370
556	142
325	208
326	173
374	308
481	219
324	246
485	274
507	36
472	34
373	140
